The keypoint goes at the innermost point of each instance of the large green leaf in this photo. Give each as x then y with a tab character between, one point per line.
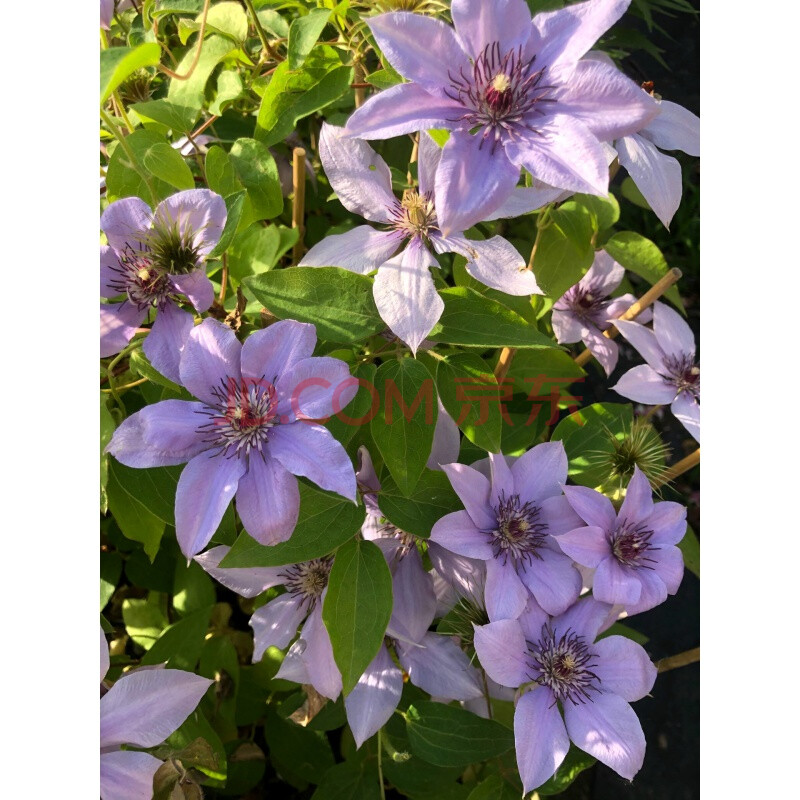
403	427
338	302
576	761
126	179
472	320
301	756
357	608
450	736
350	781
360	410
135	520
153	488
326	521
180	644
256	169
119	63
431	499
303	33
494	788
690	547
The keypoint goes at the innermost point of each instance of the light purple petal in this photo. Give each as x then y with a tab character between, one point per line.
561	37
165	342
564	153
668	523
645	342
614	583
644	385
126	222
160	435
497	264
687	411
205	489
109	263
106	15
502	479
310	450
374	698
566	326
552	580
541	472
619	305
211	360
466	575
446	440
605	350
365	474
505	594
588	546
359	176
559	516
502	652
657	176
473	179
308	390
420	48
669	567
118	324
638	502
406	295
268	353
406	108
624	668
653	592
199	211
525	199
414	598
672	332
532	619
606	101
474	491
275	623
592	507
586	618
478	24
197	287
440	667
144	707
362	250
541	738
323	674
127	774
607	728
457	533
293	667
604	275
268	500
675	128
428	159
246	581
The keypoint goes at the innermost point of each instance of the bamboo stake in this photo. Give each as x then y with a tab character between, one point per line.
299	200
684	465
645	301
681	660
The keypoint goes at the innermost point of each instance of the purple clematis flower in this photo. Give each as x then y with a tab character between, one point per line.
249	432
671	374
509	523
151	258
141	709
404	290
514	92
584	311
633	553
658	176
107	11
591	683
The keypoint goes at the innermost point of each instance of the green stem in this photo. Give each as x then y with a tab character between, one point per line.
110	374
380	767
112	126
260	31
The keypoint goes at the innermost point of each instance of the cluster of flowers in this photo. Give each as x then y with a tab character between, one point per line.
546	567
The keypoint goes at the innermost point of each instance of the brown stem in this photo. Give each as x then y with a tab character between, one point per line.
681	660
224	279
359	85
299	199
196	59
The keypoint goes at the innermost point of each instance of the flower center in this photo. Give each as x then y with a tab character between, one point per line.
588	305
245	412
630	544
684	373
415	215
564	665
501	94
308	579
172	250
140	279
519	532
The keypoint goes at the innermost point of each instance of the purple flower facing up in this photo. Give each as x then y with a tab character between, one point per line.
633	553
583	312
658	176
671	374
509	523
249	432
514	92
151	259
591	683
404	290
141	709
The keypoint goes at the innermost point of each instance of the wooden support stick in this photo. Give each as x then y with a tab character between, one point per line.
299	200
681	660
645	301
684	465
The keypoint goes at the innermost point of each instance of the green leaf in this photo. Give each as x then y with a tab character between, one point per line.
690	547
228	18
234	204
470	394
303	33
641	256
360	410
193	588
210	761
176	118
144	619
472	320
575	762
258	249
126	179
165	162
134	519
229	88
180	644
110	570
384	78
618	629
350	781
494	788
337	301
119	63
604	210
450	736
543	376
432	498
153	488
107	427
357	608
221	175
256	169
588	435
141	365
298	754
326	521
403	427
565	252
